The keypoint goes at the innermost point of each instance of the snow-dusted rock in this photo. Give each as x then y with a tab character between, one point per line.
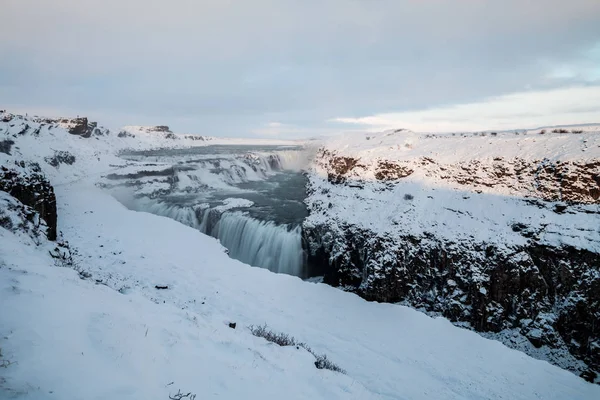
26	183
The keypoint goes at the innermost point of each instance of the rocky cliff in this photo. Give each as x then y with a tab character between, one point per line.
26	183
500	233
79	126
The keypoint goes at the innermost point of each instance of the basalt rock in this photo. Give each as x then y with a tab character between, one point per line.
21	219
550	294
388	171
60	157
574	182
26	183
75	126
6	146
159	128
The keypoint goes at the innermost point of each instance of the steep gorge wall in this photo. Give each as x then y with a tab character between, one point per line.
550	294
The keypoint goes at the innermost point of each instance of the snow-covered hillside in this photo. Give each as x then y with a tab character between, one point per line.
498	230
138	306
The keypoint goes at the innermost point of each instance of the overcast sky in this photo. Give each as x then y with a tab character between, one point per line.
303	67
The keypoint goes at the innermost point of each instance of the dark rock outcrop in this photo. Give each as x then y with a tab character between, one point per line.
80	127
195	137
75	126
125	134
574	182
60	157
21	219
159	128
6	146
26	183
390	171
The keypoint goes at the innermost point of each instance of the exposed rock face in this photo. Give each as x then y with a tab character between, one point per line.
21	219
124	134
60	157
159	128
6	146
75	126
26	183
570	181
196	137
523	280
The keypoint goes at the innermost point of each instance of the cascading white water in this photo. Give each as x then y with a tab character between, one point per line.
185	215
259	243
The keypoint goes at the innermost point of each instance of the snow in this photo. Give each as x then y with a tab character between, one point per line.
408	145
231	203
133	345
426	202
114	335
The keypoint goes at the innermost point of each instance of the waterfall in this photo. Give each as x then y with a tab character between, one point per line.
262	244
225	172
258	243
185	215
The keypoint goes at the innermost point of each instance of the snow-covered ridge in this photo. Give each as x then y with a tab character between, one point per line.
467	186
41	138
162	131
394	145
147	129
553	166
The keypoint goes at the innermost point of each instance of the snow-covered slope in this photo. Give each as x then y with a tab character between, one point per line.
75	338
102	328
500	229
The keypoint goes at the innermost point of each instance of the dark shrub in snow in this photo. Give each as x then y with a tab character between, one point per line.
283	339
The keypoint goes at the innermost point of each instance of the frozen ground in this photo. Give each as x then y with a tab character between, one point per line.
122	338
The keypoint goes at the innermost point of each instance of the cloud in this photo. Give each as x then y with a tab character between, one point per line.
584	68
519	110
223	67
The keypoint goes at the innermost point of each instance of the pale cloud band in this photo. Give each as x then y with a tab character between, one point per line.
231	68
531	109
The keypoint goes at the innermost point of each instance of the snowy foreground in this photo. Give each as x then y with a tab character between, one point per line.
105	331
